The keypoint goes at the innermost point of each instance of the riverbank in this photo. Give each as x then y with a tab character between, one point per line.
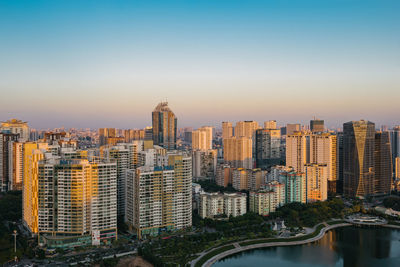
221	252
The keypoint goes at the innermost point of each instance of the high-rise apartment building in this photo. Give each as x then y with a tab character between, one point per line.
246	129
317	182
17	166
164	126
383	163
263	202
202	138
295	186
267	148
238	152
160	197
279	190
323	150
291	128
105	134
76	199
270	124
296	151
227	130
240	178
224	175
7	141
216	204
131	135
317	126
204	164
358	158
15	126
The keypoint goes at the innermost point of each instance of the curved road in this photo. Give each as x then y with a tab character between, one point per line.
239	248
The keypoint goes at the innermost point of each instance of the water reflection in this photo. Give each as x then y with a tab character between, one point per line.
346	247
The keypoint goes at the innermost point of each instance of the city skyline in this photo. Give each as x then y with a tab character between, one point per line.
99	64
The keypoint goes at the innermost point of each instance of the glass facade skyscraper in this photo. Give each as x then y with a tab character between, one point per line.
164	126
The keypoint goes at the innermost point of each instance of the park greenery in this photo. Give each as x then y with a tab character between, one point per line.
10	214
392	202
307	215
180	249
209	186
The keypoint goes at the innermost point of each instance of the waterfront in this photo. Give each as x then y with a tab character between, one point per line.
347	246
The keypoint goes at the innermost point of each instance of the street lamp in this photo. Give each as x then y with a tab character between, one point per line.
15	243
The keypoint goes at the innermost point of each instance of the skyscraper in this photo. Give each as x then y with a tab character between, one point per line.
358	158
395	143
268	145
164	126
317	126
383	163
397	168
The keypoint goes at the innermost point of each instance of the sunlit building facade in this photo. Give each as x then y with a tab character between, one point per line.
15	126
317	182
358	158
164	126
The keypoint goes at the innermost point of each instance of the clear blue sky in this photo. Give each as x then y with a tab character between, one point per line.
108	63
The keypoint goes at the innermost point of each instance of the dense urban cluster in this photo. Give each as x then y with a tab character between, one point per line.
83	187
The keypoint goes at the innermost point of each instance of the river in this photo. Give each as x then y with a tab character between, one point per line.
347	246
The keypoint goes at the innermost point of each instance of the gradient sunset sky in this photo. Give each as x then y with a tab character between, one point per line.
108	63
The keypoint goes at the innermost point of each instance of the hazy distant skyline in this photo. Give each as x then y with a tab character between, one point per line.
108	63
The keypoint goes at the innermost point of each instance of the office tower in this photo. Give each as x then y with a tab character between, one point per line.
217	204
296	151
246	129
317	182
292	128
148	133
6	160
340	157
317	126
323	150
383	163
295	187
76	198
15	126
224	175
164	126
358	158
204	164
238	152
160	197
267	148
395	143
270	124
227	130
17	166
202	138
397	168
240	179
